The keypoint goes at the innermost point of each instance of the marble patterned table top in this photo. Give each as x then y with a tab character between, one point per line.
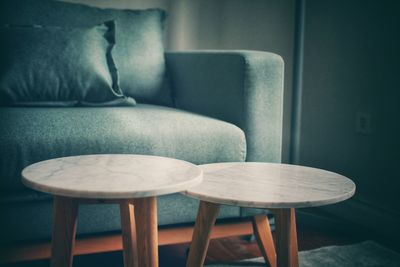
113	176
270	185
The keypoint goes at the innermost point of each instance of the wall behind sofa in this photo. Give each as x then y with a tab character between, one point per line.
351	58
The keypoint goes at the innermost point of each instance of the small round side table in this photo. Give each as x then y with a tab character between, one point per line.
132	181
278	187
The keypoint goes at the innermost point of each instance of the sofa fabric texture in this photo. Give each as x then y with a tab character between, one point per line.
92	219
241	87
139	51
29	135
58	66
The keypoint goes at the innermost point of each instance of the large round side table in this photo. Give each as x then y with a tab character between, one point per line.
132	181
278	187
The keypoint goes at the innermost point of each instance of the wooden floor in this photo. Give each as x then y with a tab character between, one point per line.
237	248
220	250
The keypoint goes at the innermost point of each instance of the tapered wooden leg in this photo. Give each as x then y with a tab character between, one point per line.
263	234
286	238
65	213
146	231
206	216
128	228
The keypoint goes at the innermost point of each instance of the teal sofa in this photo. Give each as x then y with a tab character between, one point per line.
211	106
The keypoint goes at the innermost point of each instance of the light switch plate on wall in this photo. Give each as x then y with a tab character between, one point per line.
363	123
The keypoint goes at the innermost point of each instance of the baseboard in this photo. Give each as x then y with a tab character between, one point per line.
112	242
358	215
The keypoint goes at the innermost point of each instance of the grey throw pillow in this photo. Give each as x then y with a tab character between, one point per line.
57	66
139	51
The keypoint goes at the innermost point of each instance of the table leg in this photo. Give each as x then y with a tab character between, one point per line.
146	231
286	238
263	234
128	228
206	216
65	213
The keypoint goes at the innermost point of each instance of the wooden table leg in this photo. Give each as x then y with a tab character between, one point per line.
65	213
146	231
286	238
206	216
128	228
263	234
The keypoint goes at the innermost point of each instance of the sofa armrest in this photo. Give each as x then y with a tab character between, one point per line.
241	87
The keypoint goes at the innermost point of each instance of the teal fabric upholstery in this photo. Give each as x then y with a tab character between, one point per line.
29	135
139	53
241	87
92	219
58	66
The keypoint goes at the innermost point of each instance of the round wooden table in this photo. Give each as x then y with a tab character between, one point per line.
278	187
132	181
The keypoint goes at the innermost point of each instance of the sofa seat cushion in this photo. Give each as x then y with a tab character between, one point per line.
29	135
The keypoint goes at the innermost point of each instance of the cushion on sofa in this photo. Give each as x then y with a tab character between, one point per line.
58	66
139	53
28	135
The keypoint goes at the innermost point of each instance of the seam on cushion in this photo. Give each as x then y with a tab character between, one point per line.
245	103
109	35
244	147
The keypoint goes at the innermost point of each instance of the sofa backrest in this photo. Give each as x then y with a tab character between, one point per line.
139	52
